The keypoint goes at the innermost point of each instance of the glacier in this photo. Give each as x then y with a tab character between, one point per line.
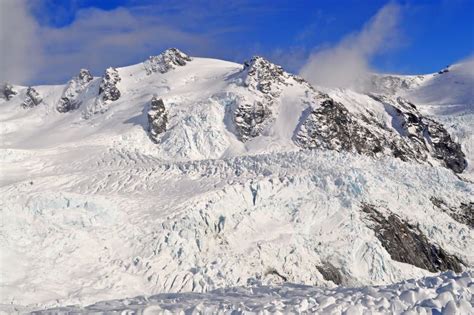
95	208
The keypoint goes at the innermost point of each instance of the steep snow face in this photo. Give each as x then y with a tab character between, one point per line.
194	178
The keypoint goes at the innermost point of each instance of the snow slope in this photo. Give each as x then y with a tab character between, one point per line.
92	209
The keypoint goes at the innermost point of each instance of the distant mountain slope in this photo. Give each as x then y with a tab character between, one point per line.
448	96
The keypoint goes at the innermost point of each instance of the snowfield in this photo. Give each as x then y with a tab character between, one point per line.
223	202
444	294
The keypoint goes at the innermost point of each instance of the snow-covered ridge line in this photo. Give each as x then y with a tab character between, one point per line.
259	102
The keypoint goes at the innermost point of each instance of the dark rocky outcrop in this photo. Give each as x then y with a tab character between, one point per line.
65	105
406	243
166	61
157	118
274	272
32	98
464	213
70	99
7	91
412	137
425	136
108	87
445	148
331	126
249	119
265	80
444	70
330	273
262	75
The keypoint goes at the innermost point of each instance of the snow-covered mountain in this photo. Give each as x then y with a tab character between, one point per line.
184	174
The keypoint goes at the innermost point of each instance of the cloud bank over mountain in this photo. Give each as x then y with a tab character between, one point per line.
347	63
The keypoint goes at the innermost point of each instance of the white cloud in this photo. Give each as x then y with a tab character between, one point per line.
347	63
467	68
96	39
20	47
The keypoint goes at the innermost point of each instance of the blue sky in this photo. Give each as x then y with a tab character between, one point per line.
68	35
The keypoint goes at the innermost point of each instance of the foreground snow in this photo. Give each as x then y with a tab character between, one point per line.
447	293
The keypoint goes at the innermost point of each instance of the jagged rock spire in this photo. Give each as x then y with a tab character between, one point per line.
32	98
7	91
108	87
70	99
166	61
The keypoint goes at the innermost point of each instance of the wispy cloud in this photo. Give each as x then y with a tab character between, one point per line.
347	63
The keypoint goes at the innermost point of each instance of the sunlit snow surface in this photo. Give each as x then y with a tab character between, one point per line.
93	210
447	293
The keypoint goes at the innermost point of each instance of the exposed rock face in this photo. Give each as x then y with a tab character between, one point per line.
157	118
330	273
265	80
32	98
7	91
108	87
412	137
444	147
331	126
464	213
249	119
406	243
425	137
166	61
264	76
71	96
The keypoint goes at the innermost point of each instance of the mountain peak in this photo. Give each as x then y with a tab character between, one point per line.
166	61
264	75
